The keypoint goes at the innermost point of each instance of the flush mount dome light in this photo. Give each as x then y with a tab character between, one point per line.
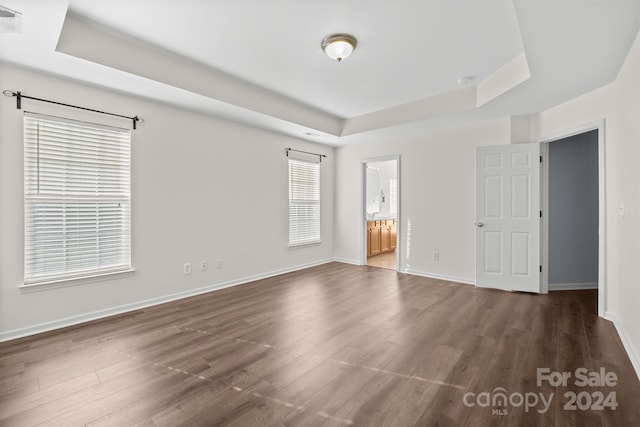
339	46
466	81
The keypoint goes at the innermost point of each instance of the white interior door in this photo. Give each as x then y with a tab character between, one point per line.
508	217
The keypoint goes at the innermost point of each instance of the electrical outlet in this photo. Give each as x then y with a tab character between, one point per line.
219	263
436	256
186	268
204	265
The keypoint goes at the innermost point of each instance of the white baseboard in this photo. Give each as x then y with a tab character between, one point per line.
626	342
572	286
456	279
347	261
99	314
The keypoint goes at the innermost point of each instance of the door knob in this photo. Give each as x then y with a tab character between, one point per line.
479	224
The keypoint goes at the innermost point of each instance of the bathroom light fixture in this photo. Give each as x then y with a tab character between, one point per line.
339	46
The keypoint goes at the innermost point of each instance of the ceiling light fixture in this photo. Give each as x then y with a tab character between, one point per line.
466	81
339	46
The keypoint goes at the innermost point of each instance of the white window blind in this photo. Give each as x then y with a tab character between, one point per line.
304	202
393	195
77	199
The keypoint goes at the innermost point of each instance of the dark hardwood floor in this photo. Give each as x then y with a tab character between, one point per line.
333	345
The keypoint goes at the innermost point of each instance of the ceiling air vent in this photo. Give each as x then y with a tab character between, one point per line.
10	20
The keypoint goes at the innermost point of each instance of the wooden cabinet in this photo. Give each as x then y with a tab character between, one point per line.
373	238
385	241
393	235
381	236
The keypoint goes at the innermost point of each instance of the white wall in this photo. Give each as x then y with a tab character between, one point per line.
619	105
202	188
437	197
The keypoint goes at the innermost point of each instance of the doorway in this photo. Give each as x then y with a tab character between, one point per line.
381	212
573	250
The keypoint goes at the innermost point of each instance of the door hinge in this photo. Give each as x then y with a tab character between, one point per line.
540	214
540	269
540	159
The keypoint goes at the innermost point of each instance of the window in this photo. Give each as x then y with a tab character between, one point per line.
393	195
304	202
76	199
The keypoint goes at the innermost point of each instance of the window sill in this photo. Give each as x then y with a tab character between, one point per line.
297	245
74	281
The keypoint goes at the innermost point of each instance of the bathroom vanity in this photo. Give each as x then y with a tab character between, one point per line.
381	236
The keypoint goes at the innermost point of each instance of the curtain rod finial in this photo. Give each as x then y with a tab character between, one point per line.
8	93
136	120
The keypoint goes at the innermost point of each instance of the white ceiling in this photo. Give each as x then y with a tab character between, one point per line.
260	63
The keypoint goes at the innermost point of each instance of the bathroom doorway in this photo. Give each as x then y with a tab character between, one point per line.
381	212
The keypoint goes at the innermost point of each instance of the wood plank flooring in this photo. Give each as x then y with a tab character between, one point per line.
387	260
334	345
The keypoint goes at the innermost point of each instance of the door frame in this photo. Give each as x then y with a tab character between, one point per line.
363	206
602	223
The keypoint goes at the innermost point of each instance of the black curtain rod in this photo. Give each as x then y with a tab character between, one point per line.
305	152
19	96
